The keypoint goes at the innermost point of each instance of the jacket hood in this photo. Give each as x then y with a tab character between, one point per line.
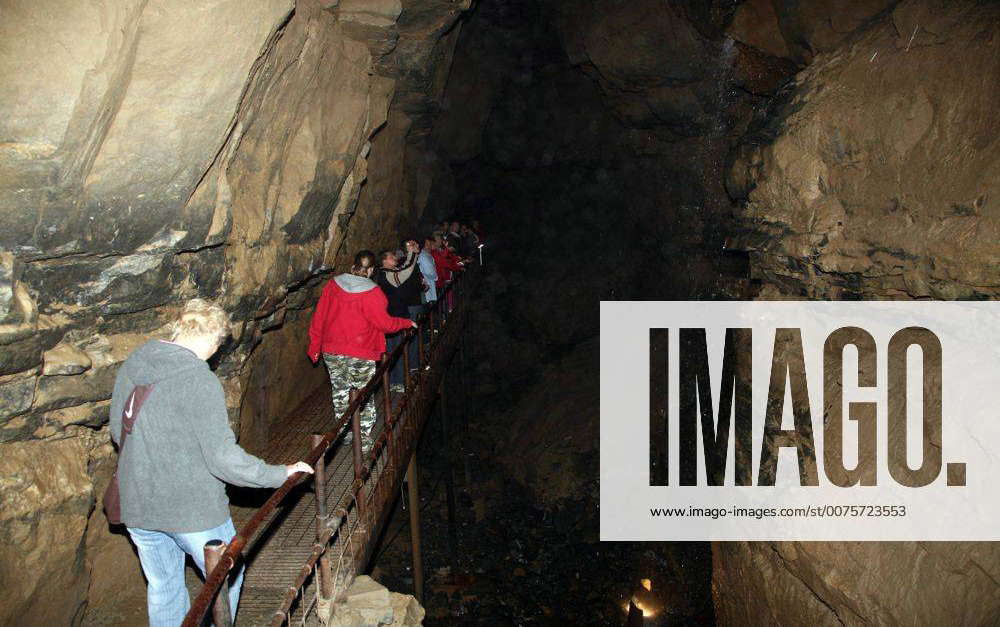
157	361
353	284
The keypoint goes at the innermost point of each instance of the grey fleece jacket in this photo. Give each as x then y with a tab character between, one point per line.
181	449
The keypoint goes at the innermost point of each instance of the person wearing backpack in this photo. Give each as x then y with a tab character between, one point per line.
176	453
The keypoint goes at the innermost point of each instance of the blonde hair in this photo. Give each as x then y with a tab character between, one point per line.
201	318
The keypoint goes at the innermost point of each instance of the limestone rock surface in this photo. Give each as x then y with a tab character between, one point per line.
875	176
47	496
163	150
856	583
370	604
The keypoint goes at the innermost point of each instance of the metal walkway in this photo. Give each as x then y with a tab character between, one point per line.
279	556
294	547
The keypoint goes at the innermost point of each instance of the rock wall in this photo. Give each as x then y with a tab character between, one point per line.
873	176
155	151
856	583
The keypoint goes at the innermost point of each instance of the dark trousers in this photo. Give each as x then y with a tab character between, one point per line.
391	342
415	312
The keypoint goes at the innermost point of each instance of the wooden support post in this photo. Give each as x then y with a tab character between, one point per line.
407	340
467	389
420	343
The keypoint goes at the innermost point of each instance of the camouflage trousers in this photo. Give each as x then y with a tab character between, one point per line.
345	373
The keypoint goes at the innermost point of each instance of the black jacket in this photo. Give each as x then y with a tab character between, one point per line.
402	286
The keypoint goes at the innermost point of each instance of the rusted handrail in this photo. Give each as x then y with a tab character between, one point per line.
228	560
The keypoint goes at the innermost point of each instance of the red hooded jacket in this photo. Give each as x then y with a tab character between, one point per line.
445	262
351	319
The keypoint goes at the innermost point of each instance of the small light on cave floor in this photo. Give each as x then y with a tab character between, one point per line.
644	600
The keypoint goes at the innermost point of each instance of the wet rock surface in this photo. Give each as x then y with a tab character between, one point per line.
857	583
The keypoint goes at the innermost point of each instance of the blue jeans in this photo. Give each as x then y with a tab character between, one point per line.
162	558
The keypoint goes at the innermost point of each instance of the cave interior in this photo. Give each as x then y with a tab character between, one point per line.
634	150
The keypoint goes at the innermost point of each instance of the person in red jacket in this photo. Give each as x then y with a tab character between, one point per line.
445	261
348	329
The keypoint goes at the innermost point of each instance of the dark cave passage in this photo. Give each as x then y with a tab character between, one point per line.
580	205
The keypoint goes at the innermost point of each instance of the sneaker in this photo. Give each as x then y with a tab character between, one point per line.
398	388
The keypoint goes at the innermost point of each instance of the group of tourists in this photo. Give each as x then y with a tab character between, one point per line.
365	312
176	449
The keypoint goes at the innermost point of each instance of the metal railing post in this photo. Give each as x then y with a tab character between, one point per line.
221	614
407	340
414	500
386	397
448	475
420	344
324	574
356	430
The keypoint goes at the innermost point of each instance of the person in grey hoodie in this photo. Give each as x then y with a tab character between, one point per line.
178	455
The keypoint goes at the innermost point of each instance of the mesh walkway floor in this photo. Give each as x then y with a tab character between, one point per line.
276	555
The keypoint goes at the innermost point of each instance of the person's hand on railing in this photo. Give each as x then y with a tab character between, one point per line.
291	469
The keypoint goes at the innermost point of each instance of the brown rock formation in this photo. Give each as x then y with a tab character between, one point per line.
872	178
42	524
856	583
159	151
